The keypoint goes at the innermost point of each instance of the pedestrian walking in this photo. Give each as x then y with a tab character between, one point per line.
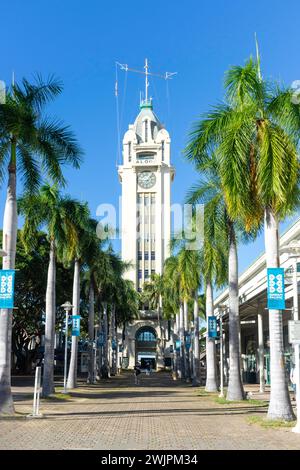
137	371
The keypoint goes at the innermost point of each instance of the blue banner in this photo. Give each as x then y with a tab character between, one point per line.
178	345
100	340
7	284
114	345
212	327
75	325
187	341
275	282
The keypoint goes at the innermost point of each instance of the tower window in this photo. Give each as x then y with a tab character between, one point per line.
129	151
146	130
163	151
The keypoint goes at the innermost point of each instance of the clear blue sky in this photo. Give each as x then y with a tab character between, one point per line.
80	42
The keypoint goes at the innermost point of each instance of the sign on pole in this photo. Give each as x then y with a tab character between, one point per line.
275	282
7	288
294	331
212	327
187	341
100	340
114	345
75	325
177	345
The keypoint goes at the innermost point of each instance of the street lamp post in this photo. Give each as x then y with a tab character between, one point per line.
293	250
67	306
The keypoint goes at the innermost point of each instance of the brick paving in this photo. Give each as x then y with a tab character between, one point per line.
158	414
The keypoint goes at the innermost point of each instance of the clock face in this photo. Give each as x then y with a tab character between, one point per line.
146	179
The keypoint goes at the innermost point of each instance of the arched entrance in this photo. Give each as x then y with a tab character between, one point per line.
145	347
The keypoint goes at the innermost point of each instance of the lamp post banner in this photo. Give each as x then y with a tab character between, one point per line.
7	277
212	327
75	325
275	284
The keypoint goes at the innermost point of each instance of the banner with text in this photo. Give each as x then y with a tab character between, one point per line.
275	284
7	288
212	327
75	325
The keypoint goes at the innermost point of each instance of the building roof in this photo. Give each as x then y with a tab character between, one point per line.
147	112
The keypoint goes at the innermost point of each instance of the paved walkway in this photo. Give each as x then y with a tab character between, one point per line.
158	414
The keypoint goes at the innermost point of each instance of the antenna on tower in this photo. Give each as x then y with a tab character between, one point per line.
166	76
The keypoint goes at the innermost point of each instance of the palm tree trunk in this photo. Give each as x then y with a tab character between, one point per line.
9	243
100	346
72	375
113	340
48	374
91	322
235	389
280	403
186	331
211	372
161	332
175	353
196	345
105	369
182	343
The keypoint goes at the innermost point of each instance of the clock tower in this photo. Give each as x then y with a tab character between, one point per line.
146	175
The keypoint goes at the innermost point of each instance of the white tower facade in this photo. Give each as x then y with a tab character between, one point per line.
146	175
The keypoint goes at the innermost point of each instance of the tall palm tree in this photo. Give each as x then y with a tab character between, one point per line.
189	267
48	207
30	144
255	136
173	298
212	256
209	190
85	228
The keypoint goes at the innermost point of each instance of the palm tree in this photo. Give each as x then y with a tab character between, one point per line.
30	144
153	293
209	190
213	262
173	299
50	208
85	228
189	267
255	136
126	305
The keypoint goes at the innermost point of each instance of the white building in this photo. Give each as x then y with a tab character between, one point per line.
254	314
146	175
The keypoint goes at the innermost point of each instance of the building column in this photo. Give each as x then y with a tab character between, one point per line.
260	330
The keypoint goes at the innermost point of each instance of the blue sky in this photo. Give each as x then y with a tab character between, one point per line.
80	42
